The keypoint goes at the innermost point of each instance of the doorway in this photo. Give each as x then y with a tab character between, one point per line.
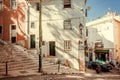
32	41
90	57
52	48
13	33
13	39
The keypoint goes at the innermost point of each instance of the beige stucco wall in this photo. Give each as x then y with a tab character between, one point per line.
53	16
105	29
117	39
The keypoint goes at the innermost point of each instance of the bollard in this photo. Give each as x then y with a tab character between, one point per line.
58	65
40	63
6	68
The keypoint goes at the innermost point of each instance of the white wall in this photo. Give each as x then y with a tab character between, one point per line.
53	16
104	29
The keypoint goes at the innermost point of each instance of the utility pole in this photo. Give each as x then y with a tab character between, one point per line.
40	36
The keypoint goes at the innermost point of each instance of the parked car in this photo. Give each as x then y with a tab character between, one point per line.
91	65
105	67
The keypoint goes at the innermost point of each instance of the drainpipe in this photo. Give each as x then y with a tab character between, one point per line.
28	19
28	26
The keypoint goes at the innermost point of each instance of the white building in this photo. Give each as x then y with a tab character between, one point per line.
62	29
101	38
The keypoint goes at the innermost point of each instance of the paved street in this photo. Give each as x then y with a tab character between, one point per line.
89	75
65	77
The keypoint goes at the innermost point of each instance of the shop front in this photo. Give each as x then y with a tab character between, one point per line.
102	54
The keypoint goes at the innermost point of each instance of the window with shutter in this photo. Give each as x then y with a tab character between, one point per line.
67	3
0	30
67	24
13	4
67	45
1	5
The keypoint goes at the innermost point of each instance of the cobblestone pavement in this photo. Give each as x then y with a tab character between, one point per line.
89	75
85	76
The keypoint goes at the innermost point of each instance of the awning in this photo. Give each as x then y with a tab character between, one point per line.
102	51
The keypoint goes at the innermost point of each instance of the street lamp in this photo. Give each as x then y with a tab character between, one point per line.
40	36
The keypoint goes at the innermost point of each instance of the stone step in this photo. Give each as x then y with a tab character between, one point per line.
19	62
25	62
29	61
15	65
2	64
12	68
24	67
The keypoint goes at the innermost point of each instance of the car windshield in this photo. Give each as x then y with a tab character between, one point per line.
101	62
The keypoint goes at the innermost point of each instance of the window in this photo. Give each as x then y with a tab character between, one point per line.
0	30
37	7
86	12
13	4
32	25
81	33
67	24
67	3
99	44
67	45
13	27
85	44
1	5
81	45
81	28
86	32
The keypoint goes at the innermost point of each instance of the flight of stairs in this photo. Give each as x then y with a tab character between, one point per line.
20	59
17	59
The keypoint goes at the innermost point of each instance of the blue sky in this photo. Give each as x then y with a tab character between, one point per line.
101	7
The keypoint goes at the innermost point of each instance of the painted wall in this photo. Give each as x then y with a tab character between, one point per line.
117	39
32	16
104	29
53	16
101	32
9	17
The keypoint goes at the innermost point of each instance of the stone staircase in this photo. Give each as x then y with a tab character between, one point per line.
18	61
21	60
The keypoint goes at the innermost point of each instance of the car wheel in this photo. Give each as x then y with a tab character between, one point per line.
109	67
